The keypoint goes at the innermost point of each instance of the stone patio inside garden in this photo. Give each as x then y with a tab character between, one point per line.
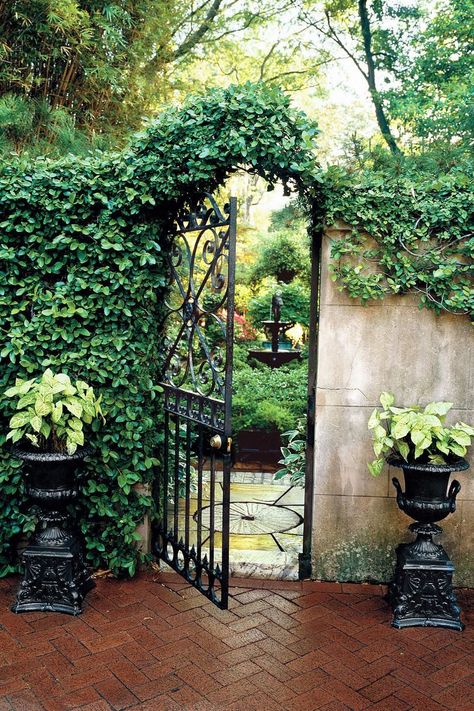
156	644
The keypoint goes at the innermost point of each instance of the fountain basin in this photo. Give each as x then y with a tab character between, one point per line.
275	359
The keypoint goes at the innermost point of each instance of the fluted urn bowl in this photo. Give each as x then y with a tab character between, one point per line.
427	497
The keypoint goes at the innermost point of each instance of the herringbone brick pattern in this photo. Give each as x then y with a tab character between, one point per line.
156	644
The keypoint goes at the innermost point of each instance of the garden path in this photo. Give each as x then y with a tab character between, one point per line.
156	644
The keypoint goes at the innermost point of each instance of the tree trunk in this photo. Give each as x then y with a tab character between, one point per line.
375	96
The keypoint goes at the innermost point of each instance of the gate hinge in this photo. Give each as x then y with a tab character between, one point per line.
229	445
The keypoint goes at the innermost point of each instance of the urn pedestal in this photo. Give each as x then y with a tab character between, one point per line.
422	591
56	577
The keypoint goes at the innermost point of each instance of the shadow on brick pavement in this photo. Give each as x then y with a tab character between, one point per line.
156	644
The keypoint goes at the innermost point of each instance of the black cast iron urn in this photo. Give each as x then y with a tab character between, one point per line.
56	577
422	592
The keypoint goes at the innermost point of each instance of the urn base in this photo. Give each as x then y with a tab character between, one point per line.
56	579
422	593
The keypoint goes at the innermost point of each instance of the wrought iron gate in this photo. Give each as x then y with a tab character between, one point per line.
192	534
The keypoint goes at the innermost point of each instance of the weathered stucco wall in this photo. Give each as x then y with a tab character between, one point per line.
363	350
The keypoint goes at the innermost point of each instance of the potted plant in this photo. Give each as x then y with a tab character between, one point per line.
417	440
47	431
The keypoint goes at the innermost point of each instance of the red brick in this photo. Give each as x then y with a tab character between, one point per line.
25	700
345	694
311	649
151	689
308	681
320	586
81	697
108	642
256	702
250	608
282	604
116	693
390	703
71	648
282	672
232	692
452	673
242	654
381	688
351	678
417	681
314	699
235	673
252	595
246	623
281	618
197	679
267	683
128	673
417	700
243	638
89	677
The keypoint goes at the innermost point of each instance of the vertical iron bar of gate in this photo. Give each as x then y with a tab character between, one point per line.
227	458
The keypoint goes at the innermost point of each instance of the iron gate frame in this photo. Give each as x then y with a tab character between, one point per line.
210	413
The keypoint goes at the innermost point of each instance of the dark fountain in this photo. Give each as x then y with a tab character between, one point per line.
276	352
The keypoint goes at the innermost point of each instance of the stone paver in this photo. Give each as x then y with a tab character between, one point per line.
154	643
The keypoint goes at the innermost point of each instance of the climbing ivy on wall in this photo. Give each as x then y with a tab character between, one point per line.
83	279
409	233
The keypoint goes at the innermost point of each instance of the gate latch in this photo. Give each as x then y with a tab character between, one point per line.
216	443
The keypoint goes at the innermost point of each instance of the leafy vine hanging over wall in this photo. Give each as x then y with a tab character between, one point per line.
408	234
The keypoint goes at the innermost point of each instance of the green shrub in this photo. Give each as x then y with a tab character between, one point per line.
283	257
266	398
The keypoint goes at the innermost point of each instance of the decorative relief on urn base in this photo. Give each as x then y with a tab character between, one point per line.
54	581
422	592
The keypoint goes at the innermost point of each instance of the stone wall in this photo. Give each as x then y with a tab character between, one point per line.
363	350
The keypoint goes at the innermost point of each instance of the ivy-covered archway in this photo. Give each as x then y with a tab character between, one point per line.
84	278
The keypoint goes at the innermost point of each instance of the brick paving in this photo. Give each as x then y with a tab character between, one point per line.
155	644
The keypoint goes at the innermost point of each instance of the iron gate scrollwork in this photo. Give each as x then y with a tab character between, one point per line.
197	386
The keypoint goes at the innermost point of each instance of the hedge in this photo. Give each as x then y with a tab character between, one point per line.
83	280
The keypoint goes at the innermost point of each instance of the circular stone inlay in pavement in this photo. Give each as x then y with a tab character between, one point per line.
248	518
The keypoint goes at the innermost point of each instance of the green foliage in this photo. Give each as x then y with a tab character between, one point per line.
433	93
294	455
416	433
70	71
266	398
51	412
284	256
83	282
296	297
421	232
291	217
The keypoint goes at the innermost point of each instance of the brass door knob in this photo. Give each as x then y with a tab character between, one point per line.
216	442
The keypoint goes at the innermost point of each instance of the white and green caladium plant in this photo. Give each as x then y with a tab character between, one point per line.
51	412
416	433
